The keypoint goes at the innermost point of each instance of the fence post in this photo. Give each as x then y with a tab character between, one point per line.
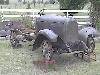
67	13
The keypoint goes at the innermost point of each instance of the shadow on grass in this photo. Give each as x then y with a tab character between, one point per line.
61	62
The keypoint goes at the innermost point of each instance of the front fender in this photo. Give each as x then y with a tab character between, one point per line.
49	34
86	32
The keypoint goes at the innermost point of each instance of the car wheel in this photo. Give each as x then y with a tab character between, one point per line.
90	44
47	49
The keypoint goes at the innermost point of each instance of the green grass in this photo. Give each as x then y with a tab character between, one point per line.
20	62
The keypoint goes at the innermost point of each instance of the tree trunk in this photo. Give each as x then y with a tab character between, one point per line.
94	12
34	2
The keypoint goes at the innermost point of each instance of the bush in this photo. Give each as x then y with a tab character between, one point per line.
52	1
7	2
27	21
1	1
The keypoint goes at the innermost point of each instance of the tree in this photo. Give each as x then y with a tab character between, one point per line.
1	1
71	4
52	1
79	4
95	12
24	2
19	0
7	1
42	1
28	5
34	2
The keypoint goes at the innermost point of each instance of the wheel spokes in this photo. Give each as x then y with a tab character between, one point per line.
46	49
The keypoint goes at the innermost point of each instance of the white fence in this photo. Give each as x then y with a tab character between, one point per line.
50	11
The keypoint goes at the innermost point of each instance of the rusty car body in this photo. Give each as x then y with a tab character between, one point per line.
18	33
58	34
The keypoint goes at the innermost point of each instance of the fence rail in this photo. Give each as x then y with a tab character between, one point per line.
33	11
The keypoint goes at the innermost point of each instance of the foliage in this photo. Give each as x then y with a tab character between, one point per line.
1	1
28	5
95	12
19	0
79	4
7	2
27	21
72	4
34	2
4	2
24	2
52	1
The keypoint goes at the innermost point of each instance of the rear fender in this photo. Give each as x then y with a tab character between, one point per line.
87	32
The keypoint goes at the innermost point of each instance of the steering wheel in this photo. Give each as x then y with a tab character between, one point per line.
41	12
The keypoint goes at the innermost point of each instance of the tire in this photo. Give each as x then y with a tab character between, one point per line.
90	44
47	49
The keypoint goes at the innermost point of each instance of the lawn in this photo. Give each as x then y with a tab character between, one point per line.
20	62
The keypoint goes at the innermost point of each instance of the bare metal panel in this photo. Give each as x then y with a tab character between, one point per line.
66	28
71	30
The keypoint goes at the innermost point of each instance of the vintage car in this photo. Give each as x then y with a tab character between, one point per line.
58	34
